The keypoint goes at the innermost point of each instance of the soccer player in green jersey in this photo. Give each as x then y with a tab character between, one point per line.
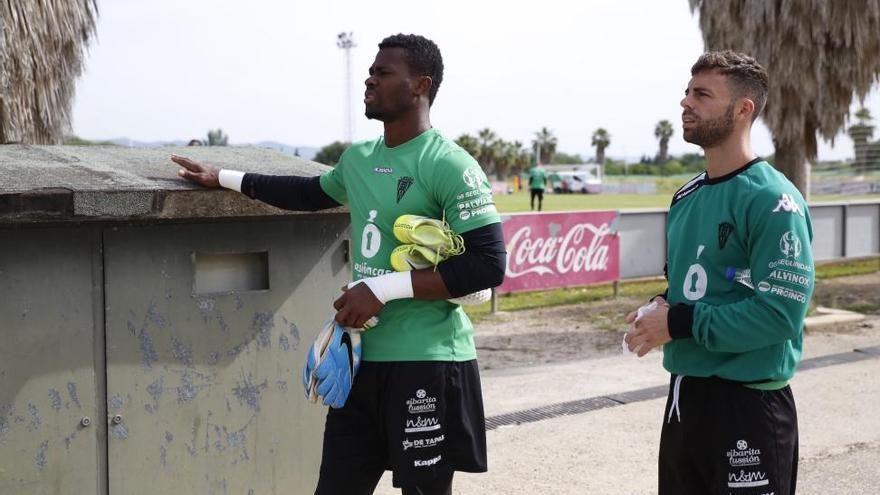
537	183
415	406
740	275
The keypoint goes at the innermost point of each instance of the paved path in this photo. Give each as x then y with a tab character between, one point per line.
614	450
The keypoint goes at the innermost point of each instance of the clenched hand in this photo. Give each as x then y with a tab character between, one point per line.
356	305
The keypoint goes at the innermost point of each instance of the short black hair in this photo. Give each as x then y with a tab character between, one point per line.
422	57
747	77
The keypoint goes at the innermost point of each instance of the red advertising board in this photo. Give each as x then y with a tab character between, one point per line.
552	250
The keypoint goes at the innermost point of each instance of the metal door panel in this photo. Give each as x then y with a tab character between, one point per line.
207	387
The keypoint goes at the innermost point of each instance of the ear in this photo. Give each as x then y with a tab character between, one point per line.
746	108
423	85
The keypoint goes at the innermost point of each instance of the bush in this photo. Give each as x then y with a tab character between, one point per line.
672	167
643	169
613	169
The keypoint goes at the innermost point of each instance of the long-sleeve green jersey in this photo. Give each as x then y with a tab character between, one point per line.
725	234
431	176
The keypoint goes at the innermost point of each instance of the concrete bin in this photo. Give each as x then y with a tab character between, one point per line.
152	332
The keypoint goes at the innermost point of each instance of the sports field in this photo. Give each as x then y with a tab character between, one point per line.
519	202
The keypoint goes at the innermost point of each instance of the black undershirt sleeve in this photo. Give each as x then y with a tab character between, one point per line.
288	192
482	264
680	318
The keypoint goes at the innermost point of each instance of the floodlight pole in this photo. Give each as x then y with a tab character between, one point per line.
346	42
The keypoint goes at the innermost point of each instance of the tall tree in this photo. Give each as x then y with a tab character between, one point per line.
861	133
216	137
522	159
818	55
330	154
545	142
663	131
469	144
41	55
601	140
488	149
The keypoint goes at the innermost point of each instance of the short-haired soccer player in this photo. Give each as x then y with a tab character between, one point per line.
415	406
740	275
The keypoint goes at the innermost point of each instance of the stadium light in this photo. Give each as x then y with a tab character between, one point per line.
346	42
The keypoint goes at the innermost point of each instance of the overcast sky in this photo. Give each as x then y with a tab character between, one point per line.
270	70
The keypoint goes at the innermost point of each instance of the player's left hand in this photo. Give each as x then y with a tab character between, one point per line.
356	305
650	331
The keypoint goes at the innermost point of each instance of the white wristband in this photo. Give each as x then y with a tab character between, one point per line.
388	287
231	179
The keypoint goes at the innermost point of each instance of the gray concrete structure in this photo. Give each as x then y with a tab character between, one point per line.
152	332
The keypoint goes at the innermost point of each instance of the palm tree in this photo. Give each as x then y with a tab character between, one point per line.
488	149
601	140
41	54
521	159
663	131
469	144
545	143
861	134
818	55
864	116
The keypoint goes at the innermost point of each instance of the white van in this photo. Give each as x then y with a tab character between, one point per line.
586	179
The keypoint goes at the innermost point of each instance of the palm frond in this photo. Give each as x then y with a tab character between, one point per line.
42	46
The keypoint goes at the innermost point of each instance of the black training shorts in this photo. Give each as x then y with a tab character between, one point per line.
723	438
421	419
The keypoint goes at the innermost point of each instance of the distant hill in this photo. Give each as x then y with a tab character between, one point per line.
306	152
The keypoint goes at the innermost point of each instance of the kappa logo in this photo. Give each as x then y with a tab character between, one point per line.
403	185
724	231
790	245
427	462
383	170
788	203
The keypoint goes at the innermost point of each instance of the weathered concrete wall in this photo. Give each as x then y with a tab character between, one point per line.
116	375
89	183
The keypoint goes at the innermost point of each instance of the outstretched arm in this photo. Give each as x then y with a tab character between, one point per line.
286	192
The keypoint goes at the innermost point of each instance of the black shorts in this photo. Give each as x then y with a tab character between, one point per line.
536	192
421	419
727	439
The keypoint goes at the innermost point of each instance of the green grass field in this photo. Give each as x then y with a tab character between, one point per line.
519	202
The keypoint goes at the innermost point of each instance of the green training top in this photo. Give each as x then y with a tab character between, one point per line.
429	176
755	219
537	177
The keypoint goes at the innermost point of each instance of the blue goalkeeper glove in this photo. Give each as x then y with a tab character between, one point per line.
332	364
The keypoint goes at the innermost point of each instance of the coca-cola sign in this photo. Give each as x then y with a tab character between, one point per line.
551	250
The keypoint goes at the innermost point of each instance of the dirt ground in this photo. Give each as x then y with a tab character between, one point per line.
595	329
